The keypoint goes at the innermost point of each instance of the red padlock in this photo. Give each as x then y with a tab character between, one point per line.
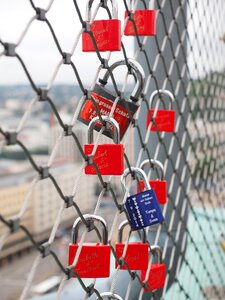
109	158
157	276
158	185
107	33
104	99
145	21
164	120
94	258
137	252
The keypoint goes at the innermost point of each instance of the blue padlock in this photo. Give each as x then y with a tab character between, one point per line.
143	208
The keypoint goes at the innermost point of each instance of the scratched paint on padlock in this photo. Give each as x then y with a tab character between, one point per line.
93	262
121	115
165	120
144	210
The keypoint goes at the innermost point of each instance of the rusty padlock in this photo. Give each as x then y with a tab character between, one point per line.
143	208
137	252
94	258
157	274
158	185
145	21
107	33
109	158
164	118
104	99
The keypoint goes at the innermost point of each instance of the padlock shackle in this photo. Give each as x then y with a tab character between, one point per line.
138	173
108	120
136	70
156	250
89	218
153	164
160	93
114	9
121	228
111	295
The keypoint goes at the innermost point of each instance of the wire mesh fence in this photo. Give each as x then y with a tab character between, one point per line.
183	65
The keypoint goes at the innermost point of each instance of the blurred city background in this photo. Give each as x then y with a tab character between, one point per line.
196	75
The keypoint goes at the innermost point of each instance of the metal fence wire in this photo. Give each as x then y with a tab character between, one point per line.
186	58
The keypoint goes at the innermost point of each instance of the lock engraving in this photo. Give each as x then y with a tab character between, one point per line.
94	258
107	33
145	21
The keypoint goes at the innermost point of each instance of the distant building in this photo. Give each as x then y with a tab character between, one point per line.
11	199
45	201
44	205
67	150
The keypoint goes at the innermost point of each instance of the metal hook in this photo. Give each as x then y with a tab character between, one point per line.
136	70
160	93
153	163
89	218
111	121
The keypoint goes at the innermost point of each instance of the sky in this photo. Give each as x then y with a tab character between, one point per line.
41	56
38	49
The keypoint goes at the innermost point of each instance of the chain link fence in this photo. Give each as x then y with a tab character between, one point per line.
185	57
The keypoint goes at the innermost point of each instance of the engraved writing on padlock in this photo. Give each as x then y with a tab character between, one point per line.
137	252
94	258
104	99
157	276
107	33
164	119
158	185
143	208
109	158
145	21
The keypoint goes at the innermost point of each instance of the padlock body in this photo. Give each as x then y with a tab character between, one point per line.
108	158
136	256
107	34
143	210
93	262
104	101
164	119
156	278
160	188
145	21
